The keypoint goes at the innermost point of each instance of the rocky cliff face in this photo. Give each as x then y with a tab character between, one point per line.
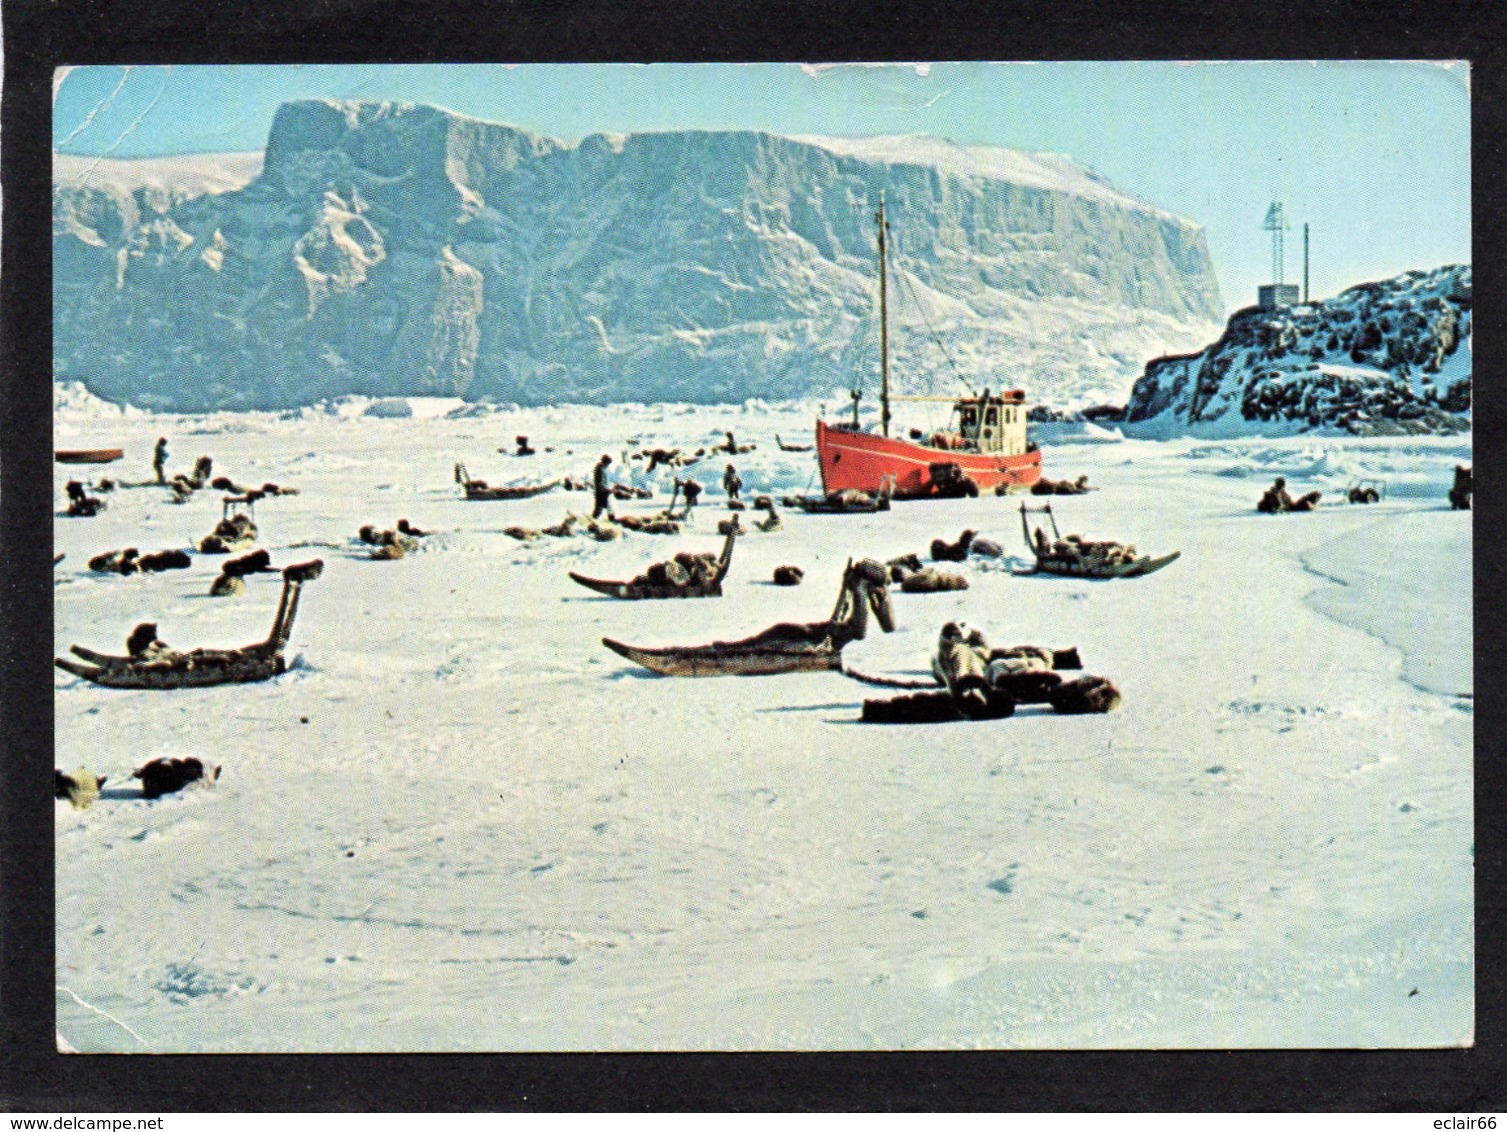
1380	358
389	249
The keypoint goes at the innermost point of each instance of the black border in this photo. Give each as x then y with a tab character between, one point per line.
39	34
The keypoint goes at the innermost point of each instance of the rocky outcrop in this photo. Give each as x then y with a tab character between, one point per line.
1381	358
387	249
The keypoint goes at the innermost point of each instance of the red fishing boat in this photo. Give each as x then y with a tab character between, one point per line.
983	447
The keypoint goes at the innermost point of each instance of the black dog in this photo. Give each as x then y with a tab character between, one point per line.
167	776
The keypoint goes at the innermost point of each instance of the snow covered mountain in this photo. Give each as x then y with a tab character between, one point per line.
389	249
1381	358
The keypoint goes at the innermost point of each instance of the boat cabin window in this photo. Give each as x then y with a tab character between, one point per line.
968	418
991	415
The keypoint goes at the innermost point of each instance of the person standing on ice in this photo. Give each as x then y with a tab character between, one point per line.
600	489
731	483
692	491
159	459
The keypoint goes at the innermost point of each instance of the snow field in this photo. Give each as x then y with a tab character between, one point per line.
493	833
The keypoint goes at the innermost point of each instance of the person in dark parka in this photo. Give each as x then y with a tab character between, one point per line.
600	489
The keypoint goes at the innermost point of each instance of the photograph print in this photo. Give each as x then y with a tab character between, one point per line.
759	557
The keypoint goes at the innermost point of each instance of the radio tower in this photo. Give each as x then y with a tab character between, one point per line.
1276	224
1305	261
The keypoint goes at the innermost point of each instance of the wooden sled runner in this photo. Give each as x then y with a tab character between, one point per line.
1148	565
163	668
480	490
1073	563
647	587
815	647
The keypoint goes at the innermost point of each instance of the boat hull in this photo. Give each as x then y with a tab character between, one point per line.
87	455
862	460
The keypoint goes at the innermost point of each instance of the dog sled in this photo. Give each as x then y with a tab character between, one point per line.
236	531
480	491
685	575
151	664
82	505
849	501
1072	557
1276	500
814	647
972	681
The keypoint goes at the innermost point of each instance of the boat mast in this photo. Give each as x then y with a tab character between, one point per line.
884	328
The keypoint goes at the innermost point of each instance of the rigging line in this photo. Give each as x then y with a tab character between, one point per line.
103	104
935	336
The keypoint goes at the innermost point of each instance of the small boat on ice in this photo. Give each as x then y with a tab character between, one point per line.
787	647
1074	558
984	447
87	455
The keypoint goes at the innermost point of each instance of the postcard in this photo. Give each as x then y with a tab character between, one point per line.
763	557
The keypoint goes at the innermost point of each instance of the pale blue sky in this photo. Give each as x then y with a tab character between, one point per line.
1374	155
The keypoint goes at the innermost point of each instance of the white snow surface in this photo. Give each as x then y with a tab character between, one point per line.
460	823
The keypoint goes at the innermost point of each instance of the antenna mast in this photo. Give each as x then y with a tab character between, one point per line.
884	326
1305	261
1276	224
